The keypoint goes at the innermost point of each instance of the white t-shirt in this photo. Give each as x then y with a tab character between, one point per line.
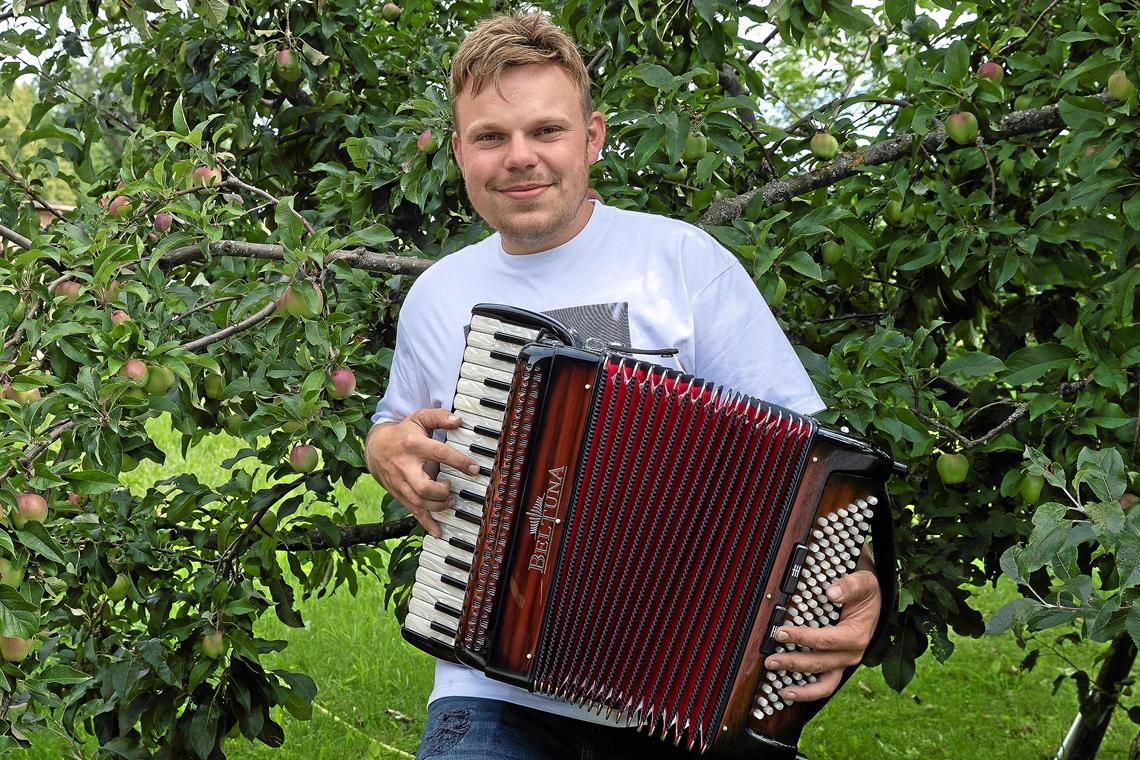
642	280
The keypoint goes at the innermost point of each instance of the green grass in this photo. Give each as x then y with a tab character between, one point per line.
373	688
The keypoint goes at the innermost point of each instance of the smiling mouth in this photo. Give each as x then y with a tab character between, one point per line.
524	192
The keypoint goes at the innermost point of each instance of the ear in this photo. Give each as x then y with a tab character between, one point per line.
456	151
595	136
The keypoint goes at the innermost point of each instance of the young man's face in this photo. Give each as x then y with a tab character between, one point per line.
526	156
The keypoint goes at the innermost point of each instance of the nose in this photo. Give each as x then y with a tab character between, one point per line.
520	153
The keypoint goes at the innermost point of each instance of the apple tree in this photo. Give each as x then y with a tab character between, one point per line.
936	198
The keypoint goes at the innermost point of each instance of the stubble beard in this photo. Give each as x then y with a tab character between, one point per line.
518	222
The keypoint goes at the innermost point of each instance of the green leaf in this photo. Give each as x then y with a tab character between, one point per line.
899	10
35	537
289	227
213	12
19	618
1104	472
179	117
373	236
1034	362
89	482
1107	515
1131	208
1002	620
1081	112
657	77
957	62
973	364
204	728
847	16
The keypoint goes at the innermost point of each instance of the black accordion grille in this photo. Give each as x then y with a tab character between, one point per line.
680	496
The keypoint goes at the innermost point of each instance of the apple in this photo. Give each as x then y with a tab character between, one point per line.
120	206
11	574
214	644
30	507
159	380
233	423
893	213
962	127
163	221
118	317
832	253
991	71
68	290
426	142
343	382
1119	86
293	303
117	591
204	176
706	77
215	387
952	468
286	67
76	500
678	174
136	371
824	146
696	145
1030	488
1127	500
391	12
21	397
303	458
15	649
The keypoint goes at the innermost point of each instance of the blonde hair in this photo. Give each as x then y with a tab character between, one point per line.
502	42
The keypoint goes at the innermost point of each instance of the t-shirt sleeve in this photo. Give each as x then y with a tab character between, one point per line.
407	388
738	343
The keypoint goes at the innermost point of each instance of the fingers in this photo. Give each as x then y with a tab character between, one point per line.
825	686
427	521
431	450
854	588
435	419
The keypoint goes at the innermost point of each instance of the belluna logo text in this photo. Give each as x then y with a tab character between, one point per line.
542	517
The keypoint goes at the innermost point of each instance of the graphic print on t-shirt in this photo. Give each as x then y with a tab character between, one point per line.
597	325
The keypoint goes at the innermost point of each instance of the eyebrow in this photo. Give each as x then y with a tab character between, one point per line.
486	125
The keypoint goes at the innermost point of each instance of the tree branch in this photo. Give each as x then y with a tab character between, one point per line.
23	185
367	534
15	238
358	258
884	152
29	6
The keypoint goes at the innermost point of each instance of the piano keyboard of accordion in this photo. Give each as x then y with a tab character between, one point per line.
645	535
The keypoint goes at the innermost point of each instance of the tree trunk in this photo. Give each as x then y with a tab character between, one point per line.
1097	706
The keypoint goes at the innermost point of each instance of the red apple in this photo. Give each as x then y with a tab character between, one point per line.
293	303
303	458
204	176
118	317
15	649
30	507
120	206
286	67
991	71
68	290
391	12
426	143
962	127
163	221
135	370
343	383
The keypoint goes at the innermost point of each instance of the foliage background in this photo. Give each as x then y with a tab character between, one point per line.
984	301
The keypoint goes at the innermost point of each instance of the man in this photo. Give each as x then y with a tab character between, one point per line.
525	137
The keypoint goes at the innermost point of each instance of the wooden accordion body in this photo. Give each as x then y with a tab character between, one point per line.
642	535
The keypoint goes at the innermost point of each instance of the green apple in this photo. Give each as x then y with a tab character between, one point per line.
117	591
952	468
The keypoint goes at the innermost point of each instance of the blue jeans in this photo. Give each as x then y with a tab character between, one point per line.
461	728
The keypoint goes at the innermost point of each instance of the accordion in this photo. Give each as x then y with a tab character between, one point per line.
636	535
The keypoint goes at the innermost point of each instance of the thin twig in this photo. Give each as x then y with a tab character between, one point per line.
23	185
981	143
233	181
226	332
1014	44
200	307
